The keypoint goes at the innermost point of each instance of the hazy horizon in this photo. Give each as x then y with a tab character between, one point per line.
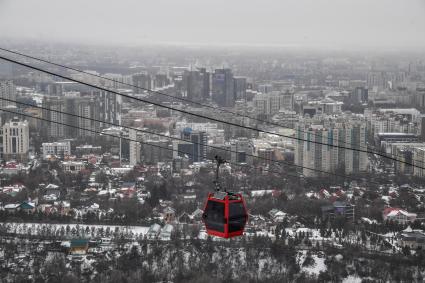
347	24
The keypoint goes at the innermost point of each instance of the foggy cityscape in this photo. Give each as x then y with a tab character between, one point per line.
212	141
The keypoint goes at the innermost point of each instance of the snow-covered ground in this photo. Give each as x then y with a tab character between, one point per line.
316	267
35	228
352	279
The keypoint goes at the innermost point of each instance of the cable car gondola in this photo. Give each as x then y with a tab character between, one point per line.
225	213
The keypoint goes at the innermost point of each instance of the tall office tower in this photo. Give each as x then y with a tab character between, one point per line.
8	91
240	88
206	84
193	85
316	154
359	95
195	148
196	84
135	147
15	140
223	88
142	80
241	148
157	150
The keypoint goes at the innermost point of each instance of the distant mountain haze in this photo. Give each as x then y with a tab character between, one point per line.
295	23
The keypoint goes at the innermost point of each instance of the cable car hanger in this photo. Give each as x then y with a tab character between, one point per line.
219	160
225	213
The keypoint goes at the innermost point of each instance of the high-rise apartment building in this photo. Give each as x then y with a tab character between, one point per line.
85	107
8	91
313	152
102	106
359	95
141	80
270	103
135	147
161	80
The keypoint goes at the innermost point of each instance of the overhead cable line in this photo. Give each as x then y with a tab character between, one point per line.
171	137
132	140
174	150
171	96
203	116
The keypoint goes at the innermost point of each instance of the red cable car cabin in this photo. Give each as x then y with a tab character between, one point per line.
225	214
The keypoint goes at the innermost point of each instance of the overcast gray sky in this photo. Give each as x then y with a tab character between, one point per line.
316	23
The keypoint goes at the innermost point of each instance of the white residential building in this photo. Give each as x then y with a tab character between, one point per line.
215	134
15	140
8	91
135	147
56	149
419	160
271	103
398	215
73	166
312	149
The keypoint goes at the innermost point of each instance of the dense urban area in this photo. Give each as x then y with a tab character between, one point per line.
102	187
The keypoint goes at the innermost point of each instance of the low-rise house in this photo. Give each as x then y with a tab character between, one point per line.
28	207
47	208
338	208
184	218
169	214
127	192
197	215
12	207
63	207
257	221
398	215
277	215
51	186
13	168
153	231
166	231
79	246
12	190
411	238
